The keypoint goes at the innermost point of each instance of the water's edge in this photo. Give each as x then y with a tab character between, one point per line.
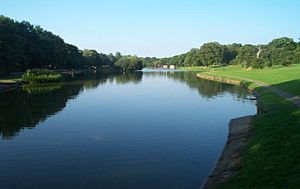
229	162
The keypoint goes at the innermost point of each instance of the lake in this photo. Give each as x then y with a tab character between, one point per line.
142	130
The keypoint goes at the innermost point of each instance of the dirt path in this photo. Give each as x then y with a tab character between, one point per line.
293	99
230	160
279	92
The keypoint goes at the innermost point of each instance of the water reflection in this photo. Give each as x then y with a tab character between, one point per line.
135	77
138	130
32	104
26	107
207	89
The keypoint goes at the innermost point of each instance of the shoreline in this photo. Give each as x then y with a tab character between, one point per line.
240	129
8	84
229	162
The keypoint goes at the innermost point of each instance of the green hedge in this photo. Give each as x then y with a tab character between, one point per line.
41	76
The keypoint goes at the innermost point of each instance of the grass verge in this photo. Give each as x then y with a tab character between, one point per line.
272	158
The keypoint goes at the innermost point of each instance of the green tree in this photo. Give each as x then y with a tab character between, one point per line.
214	54
193	58
129	63
282	51
247	56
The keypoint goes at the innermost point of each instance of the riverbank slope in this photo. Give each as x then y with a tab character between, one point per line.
230	160
271	159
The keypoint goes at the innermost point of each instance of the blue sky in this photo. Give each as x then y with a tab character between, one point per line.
159	27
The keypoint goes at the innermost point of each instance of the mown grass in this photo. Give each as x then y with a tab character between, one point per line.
272	158
285	78
198	68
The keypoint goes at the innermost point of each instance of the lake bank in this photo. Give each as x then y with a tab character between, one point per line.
270	157
13	82
230	160
239	132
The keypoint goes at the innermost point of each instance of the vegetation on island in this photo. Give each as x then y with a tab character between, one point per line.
41	76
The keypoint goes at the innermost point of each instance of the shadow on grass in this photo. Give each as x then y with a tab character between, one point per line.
291	87
272	159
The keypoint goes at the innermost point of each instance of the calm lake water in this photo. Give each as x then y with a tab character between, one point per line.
128	131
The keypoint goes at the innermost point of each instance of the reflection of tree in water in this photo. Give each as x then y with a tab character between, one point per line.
28	106
94	81
22	109
38	89
208	89
133	77
32	104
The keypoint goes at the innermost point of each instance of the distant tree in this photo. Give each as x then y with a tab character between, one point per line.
247	56
193	58
149	61
282	51
112	58
296	59
214	54
74	58
234	50
118	55
92	57
129	63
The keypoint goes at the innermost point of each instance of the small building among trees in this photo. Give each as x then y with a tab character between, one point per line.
173	67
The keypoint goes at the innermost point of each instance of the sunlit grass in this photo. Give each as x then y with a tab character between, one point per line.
285	78
272	159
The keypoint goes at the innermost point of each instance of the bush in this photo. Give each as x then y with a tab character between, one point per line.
41	76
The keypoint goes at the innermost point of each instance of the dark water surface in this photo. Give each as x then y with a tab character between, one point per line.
130	131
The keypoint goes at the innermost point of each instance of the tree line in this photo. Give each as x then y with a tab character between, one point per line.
24	46
280	51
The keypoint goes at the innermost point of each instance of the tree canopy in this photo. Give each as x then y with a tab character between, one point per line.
280	51
129	63
24	46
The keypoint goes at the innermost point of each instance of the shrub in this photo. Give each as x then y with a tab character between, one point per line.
41	76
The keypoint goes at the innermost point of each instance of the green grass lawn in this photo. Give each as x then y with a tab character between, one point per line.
272	158
285	78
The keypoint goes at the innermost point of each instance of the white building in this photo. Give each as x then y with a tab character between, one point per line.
172	67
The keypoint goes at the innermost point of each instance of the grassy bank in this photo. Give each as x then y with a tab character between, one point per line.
284	78
272	158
